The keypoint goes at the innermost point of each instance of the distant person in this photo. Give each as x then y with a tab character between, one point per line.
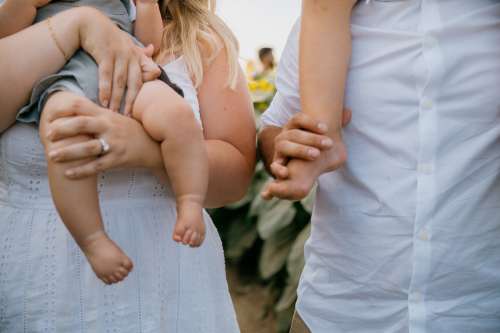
268	64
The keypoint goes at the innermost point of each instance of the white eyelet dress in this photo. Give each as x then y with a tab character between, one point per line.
46	284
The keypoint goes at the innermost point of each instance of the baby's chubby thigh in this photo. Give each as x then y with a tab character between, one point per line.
164	114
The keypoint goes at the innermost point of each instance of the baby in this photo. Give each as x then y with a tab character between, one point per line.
325	48
165	116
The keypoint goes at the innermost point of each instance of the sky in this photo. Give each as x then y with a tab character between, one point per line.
258	23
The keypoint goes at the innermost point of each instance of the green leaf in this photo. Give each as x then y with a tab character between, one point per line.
295	265
240	237
260	205
274	217
276	250
284	320
308	202
295	261
288	297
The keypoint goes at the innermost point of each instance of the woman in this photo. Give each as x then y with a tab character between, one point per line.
45	283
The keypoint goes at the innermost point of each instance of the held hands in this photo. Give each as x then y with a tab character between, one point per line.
302	153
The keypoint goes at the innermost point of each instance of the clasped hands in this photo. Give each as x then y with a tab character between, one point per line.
302	152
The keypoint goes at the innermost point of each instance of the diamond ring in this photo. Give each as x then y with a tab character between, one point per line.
104	146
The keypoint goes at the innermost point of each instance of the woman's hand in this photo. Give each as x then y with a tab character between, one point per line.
120	61
40	3
30	3
127	139
302	138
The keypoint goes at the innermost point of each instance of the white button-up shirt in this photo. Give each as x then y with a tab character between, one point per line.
406	236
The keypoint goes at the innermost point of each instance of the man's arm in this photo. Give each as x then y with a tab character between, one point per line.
325	49
15	15
149	24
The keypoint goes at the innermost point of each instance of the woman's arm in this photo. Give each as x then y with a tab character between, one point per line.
32	54
325	49
15	15
148	26
22	67
229	132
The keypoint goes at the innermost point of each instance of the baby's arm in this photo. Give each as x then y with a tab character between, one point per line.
15	15
149	24
325	49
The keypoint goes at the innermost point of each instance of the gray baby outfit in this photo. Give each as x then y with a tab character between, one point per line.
80	74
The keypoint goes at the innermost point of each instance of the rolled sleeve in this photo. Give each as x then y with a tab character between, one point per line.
286	103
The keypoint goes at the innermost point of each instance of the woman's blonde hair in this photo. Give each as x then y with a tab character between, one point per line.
191	25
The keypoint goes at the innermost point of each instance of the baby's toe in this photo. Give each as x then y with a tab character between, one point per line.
112	279
127	265
179	234
187	237
194	241
177	238
119	276
123	270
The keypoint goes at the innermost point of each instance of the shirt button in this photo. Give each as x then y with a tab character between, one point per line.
425	168
427	104
424	235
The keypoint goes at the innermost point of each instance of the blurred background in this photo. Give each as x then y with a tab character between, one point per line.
263	241
259	23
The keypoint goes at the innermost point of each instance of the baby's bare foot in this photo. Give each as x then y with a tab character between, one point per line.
190	227
108	261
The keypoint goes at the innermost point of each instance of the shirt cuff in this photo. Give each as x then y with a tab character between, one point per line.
279	112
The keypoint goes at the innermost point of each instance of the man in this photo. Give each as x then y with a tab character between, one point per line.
406	235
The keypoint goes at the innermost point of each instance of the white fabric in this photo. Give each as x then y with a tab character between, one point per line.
406	236
46	284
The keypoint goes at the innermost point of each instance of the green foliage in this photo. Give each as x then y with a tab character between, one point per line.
273	233
268	234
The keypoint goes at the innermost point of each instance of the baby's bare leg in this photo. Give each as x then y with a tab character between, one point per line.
78	204
168	118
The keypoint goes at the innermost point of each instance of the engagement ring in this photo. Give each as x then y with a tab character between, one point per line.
104	147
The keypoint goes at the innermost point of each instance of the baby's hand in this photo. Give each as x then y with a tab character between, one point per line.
150	70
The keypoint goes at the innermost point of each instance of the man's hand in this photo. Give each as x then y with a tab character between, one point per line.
301	140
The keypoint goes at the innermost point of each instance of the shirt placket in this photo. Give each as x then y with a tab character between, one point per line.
428	68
